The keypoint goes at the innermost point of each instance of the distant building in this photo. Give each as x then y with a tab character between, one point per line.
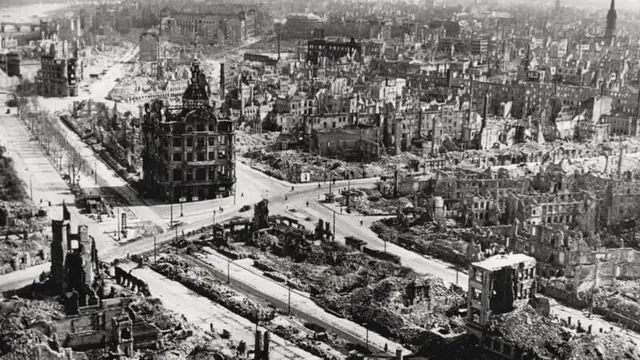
150	46
479	46
60	72
10	64
210	26
188	151
333	50
300	26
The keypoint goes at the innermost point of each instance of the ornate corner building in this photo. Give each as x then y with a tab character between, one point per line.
188	150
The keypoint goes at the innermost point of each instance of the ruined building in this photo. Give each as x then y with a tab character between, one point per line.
497	285
60	71
74	260
188	150
10	63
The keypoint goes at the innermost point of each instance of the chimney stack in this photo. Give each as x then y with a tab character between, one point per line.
258	345
265	345
279	36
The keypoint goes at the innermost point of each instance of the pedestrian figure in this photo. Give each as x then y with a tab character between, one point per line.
361	221
241	194
386	347
307	204
318	186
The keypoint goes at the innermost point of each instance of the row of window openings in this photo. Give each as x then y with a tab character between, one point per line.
177	141
198	174
201	156
523	274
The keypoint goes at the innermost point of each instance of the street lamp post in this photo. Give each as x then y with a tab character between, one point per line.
118	220
95	171
334	225
31	187
228	271
348	191
325	172
171	206
289	302
176	240
181	213
366	326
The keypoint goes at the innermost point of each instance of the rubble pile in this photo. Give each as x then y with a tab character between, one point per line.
25	324
151	310
202	283
193	343
288	164
538	336
306	342
373	202
531	332
8	83
246	141
602	346
391	299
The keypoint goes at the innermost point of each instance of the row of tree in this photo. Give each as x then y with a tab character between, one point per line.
50	136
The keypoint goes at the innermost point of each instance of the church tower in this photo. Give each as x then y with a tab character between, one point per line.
612	17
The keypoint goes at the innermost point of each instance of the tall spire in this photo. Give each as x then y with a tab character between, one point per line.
612	17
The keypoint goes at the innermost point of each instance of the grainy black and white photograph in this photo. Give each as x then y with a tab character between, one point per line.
319	180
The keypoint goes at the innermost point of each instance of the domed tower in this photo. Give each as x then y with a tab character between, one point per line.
612	17
197	93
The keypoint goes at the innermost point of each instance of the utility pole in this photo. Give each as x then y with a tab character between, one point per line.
330	181
334	225
228	271
176	241
367	335
118	219
95	171
154	249
171	202
289	306
348	191
31	187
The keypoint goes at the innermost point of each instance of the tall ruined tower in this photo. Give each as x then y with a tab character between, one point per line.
612	17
